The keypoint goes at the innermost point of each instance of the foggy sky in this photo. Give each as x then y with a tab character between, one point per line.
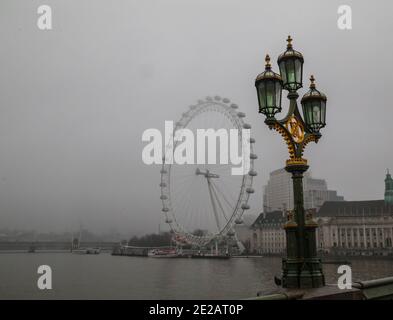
75	100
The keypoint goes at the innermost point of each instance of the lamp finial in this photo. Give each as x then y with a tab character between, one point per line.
312	82
289	40
267	64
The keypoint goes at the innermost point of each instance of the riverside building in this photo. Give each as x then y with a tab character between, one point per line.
344	227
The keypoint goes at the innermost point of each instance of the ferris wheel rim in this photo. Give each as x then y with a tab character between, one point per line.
236	118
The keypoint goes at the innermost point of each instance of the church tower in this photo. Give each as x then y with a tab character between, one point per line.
388	188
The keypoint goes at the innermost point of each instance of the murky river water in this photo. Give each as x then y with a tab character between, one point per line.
111	277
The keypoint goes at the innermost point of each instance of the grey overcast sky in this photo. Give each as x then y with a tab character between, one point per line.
75	100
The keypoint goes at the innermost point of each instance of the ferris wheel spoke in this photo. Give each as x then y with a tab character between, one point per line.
223	188
183	194
184	198
184	176
230	204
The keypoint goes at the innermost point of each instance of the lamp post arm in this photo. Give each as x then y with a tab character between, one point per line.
296	149
292	96
281	129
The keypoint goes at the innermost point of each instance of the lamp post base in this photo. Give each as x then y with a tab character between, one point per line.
305	273
301	268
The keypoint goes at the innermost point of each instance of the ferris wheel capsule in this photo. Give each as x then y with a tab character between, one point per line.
250	190
245	206
238	221
231	233
252	173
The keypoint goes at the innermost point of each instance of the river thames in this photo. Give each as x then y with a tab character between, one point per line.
114	277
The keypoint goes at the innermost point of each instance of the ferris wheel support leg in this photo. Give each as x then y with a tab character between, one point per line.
213	204
219	202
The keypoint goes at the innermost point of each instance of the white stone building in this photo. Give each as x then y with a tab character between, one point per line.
344	227
355	227
267	234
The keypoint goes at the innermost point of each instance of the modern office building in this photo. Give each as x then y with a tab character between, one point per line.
278	193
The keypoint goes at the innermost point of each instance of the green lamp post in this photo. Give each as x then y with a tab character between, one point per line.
301	268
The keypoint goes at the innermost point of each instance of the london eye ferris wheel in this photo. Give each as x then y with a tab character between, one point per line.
202	203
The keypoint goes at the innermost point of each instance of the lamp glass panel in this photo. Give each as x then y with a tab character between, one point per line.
308	112
316	113
323	112
283	71
291	72
262	96
270	97
299	71
278	95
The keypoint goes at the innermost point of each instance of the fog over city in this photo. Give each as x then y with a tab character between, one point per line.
75	100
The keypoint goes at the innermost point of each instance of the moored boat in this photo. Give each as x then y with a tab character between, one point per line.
163	253
86	250
210	256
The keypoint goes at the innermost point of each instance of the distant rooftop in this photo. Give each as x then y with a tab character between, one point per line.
269	217
334	209
354	208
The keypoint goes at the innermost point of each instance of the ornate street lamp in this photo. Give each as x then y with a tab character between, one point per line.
269	87
301	268
314	108
291	67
